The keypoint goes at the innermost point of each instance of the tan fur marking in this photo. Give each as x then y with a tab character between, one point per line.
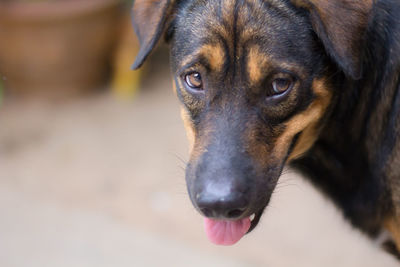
213	53
189	59
256	62
174	87
259	62
189	128
253	66
215	56
392	224
307	122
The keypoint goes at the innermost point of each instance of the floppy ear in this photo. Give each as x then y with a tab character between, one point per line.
150	18
341	25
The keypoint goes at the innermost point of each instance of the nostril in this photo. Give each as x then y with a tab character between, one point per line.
219	206
236	213
226	208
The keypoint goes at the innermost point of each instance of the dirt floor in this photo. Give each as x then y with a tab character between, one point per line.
100	182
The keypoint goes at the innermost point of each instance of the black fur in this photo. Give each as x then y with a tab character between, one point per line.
347	162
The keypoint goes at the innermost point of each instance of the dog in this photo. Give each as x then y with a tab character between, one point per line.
313	84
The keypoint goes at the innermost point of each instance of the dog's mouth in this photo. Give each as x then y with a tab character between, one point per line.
229	232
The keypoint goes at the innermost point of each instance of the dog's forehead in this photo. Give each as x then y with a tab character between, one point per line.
274	26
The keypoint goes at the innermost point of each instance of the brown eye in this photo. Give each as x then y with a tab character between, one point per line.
193	80
281	85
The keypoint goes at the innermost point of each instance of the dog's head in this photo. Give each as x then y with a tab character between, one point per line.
254	79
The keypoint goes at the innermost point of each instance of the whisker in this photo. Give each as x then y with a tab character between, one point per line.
179	158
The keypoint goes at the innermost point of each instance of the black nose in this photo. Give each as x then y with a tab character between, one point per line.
228	205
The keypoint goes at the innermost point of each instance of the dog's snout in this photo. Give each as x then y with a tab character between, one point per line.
222	187
226	205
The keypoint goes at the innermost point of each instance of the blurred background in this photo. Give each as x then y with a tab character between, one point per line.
92	157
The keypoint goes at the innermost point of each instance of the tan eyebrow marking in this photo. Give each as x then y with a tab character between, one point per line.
214	54
254	64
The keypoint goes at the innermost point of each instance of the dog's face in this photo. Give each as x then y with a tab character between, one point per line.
251	80
253	77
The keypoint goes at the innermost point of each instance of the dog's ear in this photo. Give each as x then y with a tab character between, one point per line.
150	19
341	26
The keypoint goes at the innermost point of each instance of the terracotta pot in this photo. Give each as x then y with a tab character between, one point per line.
58	47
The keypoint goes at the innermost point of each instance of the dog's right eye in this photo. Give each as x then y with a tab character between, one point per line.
194	81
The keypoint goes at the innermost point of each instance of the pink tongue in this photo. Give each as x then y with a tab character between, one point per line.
226	232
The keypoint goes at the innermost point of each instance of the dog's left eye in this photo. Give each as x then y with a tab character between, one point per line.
194	81
281	85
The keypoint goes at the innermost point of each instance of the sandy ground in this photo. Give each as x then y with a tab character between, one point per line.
100	182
